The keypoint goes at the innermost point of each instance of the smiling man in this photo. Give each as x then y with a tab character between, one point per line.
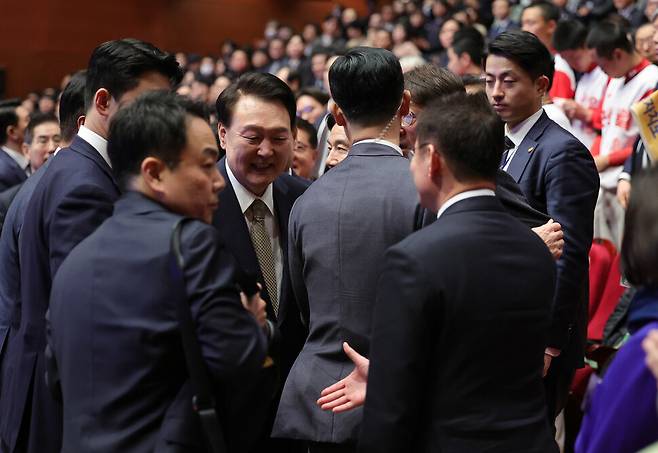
257	128
557	175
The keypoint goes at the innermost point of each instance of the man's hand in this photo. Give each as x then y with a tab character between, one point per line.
650	346
552	235
623	192
349	392
547	363
256	306
602	163
574	110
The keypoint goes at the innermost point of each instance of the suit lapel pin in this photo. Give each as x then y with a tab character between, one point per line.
531	149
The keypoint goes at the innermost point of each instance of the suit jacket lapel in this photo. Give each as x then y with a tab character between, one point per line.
527	148
282	206
80	146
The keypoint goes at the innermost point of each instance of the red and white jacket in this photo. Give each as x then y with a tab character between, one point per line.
589	93
618	130
564	79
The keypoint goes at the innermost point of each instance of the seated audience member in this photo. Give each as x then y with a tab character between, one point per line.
621	414
643	40
338	144
430	314
502	20
14	165
629	10
312	105
120	387
305	153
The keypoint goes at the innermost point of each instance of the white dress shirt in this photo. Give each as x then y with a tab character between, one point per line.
518	134
20	158
245	199
96	141
463	196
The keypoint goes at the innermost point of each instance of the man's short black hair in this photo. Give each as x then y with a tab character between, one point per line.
527	51
472	48
266	87
367	85
37	119
607	36
472	153
72	105
155	124
428	82
639	260
118	65
303	125
549	12
316	94
569	35
8	117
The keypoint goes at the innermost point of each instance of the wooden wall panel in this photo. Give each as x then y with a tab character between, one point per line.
42	40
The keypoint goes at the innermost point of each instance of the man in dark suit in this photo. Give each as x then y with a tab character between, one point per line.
14	164
73	197
116	348
338	232
256	116
557	175
456	357
71	111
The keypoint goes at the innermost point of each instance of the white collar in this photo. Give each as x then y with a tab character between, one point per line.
463	196
381	141
521	130
245	197
20	158
96	141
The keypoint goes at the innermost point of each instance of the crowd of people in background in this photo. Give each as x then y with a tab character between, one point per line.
432	82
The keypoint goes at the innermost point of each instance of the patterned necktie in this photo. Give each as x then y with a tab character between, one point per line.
263	247
509	145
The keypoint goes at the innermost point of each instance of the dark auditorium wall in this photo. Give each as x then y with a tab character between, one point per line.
44	39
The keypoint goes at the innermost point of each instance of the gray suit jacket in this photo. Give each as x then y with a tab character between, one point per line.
338	233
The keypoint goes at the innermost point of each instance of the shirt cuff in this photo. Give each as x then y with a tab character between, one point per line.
624	176
553	352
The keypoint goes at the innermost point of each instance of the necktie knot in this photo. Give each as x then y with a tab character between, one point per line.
259	210
509	144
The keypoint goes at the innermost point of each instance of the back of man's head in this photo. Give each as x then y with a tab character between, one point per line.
263	86
472	154
154	125
36	120
569	35
72	106
607	36
470	47
118	65
367	85
8	117
527	51
548	10
427	83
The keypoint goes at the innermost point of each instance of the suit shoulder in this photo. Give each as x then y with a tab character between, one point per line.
295	184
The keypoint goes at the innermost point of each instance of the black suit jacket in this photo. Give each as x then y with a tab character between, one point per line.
459	329
115	335
10	172
75	194
234	232
558	177
6	197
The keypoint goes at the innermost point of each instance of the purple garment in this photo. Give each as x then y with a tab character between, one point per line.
622	416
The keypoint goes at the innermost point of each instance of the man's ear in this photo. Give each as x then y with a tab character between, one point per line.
406	100
152	170
25	149
552	25
436	162
541	85
102	100
338	114
221	132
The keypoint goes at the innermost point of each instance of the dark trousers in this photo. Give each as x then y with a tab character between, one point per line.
319	447
556	385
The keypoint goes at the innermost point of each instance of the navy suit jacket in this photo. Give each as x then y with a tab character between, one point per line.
75	195
435	383
558	177
10	172
234	232
114	331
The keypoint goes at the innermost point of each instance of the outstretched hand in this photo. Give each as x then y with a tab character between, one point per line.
349	392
